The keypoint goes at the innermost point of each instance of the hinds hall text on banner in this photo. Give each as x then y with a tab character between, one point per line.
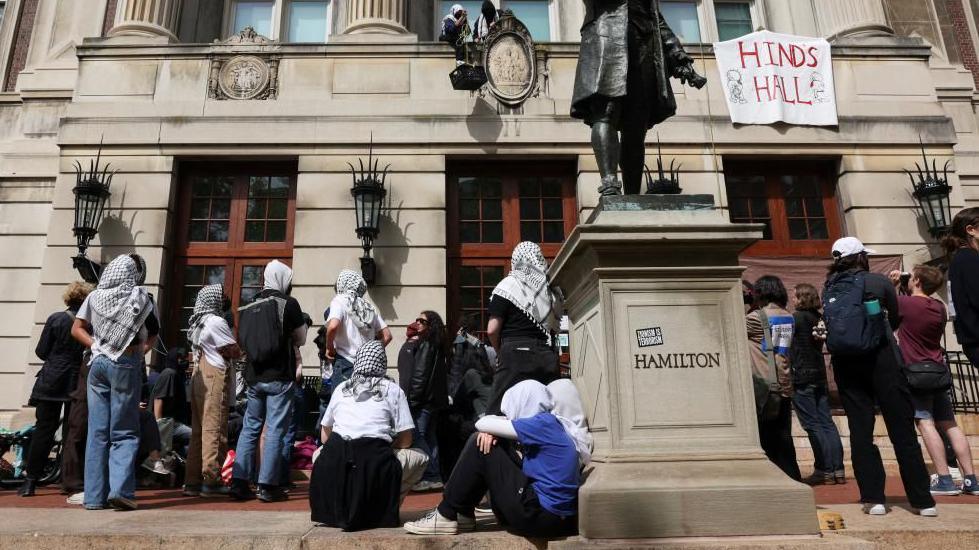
770	77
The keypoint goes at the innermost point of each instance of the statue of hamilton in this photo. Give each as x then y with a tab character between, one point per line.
628	54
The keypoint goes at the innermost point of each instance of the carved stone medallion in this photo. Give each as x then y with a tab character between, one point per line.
244	77
244	66
510	60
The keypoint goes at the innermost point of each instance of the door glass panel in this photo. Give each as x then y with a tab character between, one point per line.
480	210
196	277
267	209
210	209
251	283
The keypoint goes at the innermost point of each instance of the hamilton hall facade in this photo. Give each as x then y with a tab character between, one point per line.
230	124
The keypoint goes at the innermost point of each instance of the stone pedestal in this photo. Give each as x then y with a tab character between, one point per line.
659	353
153	20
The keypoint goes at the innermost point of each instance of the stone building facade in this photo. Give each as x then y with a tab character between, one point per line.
209	186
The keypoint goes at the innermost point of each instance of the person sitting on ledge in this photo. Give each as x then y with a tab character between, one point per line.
534	491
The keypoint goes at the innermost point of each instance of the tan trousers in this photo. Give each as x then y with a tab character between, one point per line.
209	426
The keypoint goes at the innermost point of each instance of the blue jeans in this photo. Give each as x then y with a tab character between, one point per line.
113	429
269	405
425	438
342	371
289	439
812	407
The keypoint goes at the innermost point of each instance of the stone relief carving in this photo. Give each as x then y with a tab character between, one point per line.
252	75
514	70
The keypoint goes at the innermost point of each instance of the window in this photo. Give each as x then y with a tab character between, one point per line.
795	201
733	19
681	16
535	14
232	220
284	20
493	207
918	17
3	6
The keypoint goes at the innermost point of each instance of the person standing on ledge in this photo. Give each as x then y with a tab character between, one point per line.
628	54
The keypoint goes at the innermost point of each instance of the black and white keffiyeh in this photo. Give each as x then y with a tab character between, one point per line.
121	306
352	286
210	301
369	376
527	288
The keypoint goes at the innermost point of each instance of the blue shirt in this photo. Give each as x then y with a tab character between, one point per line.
550	460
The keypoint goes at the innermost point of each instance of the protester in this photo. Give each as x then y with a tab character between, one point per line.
487	19
75	439
861	310
171	407
366	466
62	356
423	377
962	246
455	26
352	320
149	454
810	390
923	321
120	317
525	316
298	412
213	346
533	497
270	328
770	329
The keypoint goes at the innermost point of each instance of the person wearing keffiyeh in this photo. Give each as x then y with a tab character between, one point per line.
120	317
525	316
213	346
352	322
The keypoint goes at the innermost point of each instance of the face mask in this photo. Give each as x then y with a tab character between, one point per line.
412	330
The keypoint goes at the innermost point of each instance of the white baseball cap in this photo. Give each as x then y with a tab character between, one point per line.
848	246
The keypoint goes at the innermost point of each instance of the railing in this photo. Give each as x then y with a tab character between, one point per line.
965	383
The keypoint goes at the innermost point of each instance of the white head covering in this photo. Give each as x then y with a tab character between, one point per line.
352	286
210	301
526	399
570	412
526	287
370	367
122	306
278	276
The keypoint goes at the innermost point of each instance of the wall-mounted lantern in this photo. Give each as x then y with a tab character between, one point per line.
91	195
368	193
932	193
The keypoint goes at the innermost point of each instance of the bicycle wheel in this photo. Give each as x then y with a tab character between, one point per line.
52	468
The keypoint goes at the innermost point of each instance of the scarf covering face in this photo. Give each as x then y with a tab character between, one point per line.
570	412
526	288
352	287
210	301
526	399
278	277
370	368
121	305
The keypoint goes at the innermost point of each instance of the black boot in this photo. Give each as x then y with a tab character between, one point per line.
27	488
240	490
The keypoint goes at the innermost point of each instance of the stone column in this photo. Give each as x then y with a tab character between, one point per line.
840	18
148	18
375	17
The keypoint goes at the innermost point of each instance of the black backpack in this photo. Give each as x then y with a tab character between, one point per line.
850	330
260	328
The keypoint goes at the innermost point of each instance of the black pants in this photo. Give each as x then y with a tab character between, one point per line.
73	447
862	381
522	359
48	414
776	440
514	501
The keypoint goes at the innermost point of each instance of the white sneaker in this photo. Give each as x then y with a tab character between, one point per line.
156	466
875	509
433	524
928	512
76	499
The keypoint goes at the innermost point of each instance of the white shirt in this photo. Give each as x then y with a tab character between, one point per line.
349	337
88	313
215	334
357	416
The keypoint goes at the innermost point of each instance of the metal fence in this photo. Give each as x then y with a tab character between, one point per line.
965	383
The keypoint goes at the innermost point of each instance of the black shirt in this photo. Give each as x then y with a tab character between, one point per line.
282	366
516	323
963	276
62	356
170	387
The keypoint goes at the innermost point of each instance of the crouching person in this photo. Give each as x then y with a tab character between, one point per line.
358	482
533	495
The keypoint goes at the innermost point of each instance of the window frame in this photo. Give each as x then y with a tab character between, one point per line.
781	244
707	17
280	19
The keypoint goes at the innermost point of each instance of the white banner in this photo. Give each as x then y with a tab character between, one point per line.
770	77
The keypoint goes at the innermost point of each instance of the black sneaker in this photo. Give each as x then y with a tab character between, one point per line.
272	494
27	488
240	490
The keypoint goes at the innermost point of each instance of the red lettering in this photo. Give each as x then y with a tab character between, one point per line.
771	54
798	96
758	90
813	60
798	56
748	53
779	85
783	54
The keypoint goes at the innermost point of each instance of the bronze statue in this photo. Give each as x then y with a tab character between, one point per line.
628	53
